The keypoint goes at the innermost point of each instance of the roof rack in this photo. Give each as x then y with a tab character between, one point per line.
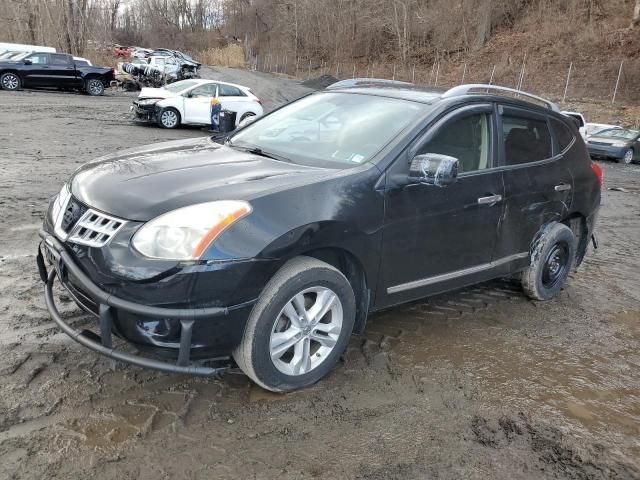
466	90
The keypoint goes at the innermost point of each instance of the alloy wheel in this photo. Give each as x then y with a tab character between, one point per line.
306	331
10	82
95	87
169	119
628	156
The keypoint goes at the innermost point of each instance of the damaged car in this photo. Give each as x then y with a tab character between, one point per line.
155	71
268	252
188	66
188	102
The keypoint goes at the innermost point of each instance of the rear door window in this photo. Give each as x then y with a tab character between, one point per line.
230	91
60	60
563	134
526	139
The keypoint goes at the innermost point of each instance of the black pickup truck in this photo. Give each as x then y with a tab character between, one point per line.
54	70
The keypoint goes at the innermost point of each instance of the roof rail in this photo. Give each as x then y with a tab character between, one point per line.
353	82
466	90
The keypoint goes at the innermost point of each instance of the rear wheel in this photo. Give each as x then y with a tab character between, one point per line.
10	81
299	327
169	118
94	87
553	258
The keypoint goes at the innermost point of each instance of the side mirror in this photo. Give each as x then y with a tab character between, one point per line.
433	169
27	62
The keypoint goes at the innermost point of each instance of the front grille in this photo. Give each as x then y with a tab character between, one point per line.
72	213
95	229
599	143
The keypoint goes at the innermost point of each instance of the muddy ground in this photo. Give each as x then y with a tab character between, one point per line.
476	384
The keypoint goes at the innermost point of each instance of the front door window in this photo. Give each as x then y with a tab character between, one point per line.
467	139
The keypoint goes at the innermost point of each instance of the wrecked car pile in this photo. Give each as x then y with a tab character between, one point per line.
161	67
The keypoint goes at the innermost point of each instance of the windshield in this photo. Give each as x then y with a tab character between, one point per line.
618	133
339	130
180	86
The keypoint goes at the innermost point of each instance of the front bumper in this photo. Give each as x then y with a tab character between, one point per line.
147	113
109	307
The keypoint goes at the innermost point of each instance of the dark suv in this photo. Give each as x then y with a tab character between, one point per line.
273	248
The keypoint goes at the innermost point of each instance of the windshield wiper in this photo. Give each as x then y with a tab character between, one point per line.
260	152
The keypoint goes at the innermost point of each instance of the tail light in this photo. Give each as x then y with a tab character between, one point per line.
598	171
258	100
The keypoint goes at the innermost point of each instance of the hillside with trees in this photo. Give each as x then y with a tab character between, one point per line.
528	43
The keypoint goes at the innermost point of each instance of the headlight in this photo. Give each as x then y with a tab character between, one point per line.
620	144
59	202
148	101
185	233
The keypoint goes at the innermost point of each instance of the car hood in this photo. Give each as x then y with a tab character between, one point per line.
155	93
142	183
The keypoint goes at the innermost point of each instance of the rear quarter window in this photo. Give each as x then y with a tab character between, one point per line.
563	134
525	140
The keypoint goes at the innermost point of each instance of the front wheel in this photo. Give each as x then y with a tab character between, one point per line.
169	118
94	87
628	157
299	327
10	81
552	259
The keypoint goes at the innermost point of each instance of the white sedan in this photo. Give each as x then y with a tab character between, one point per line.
188	102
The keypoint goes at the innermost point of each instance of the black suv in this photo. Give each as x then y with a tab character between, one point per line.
273	248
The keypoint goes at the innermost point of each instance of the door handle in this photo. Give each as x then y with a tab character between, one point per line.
562	187
490	200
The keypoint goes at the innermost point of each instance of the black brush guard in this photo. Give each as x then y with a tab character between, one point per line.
106	302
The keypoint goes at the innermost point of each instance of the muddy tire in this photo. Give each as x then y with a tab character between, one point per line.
94	87
553	257
299	327
169	118
10	81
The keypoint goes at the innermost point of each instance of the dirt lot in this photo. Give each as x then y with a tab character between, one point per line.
477	384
